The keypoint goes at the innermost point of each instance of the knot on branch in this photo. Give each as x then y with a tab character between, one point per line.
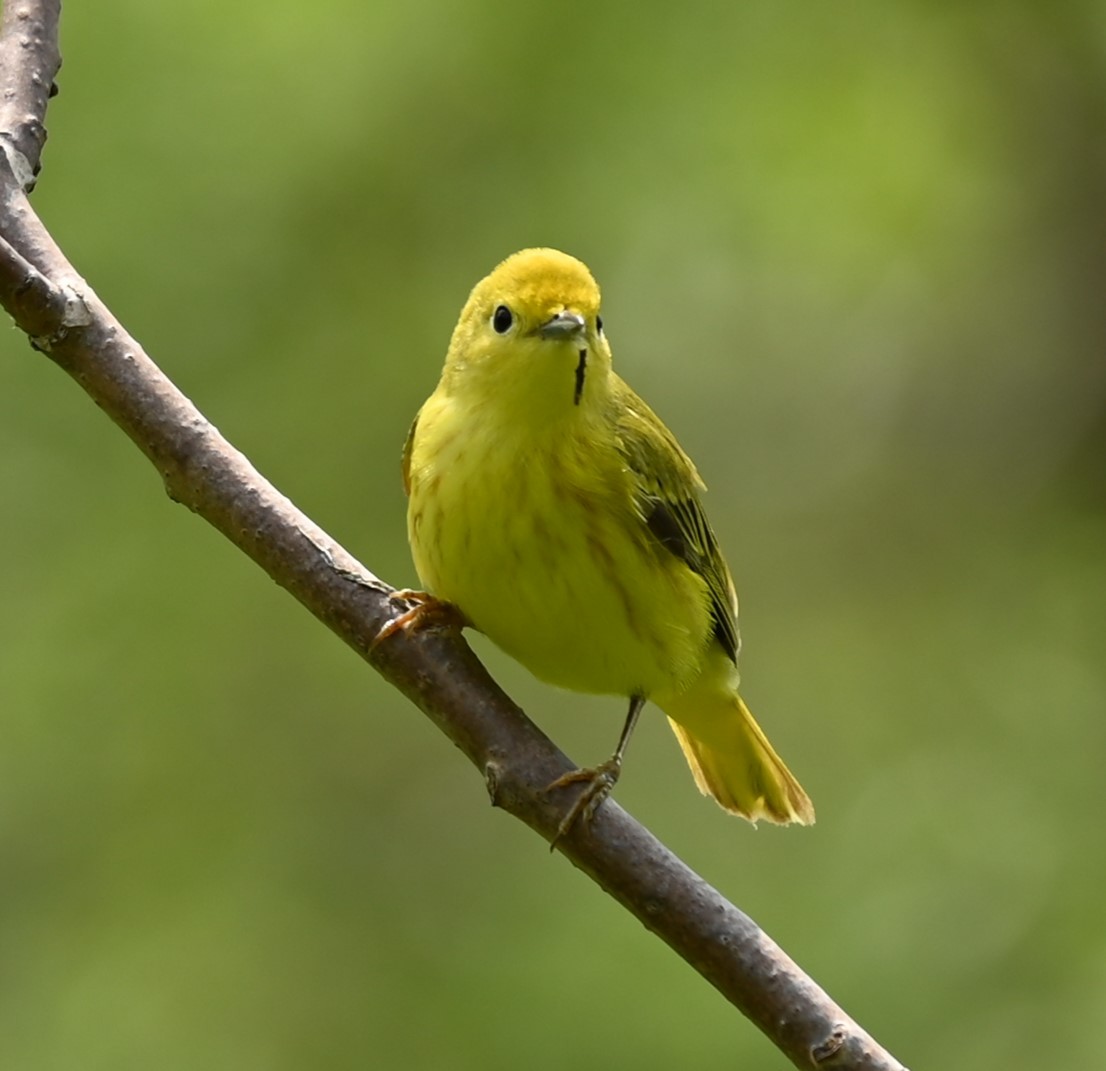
20	167
68	310
46	311
826	1050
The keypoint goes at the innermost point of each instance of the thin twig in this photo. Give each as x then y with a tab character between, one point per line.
436	669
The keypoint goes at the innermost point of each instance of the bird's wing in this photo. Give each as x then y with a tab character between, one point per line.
406	463
667	489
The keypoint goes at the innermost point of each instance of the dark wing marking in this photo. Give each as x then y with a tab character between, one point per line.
666	528
667	498
682	528
406	463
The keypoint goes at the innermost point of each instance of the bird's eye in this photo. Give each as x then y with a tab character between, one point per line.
502	319
599	325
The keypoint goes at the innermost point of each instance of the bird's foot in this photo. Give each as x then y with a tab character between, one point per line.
597	781
423	611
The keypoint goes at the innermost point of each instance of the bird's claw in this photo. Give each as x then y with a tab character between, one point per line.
598	782
423	611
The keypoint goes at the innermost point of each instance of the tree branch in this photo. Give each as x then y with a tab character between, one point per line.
29	63
435	669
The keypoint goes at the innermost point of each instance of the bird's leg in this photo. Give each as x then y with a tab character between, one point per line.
424	611
598	780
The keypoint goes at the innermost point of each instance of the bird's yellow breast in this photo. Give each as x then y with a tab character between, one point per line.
534	535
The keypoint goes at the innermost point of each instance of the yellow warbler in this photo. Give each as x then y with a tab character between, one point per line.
555	511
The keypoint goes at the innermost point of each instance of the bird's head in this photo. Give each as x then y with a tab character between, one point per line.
530	335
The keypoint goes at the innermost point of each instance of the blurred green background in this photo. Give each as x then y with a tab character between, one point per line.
854	254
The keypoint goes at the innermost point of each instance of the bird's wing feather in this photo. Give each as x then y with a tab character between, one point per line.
406	463
667	489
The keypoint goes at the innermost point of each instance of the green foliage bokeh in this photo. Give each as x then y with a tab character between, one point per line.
855	255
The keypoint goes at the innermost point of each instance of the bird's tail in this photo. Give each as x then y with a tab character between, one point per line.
730	756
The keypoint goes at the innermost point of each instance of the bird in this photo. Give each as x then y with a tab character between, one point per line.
552	510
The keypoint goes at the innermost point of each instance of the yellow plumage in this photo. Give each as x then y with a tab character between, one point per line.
554	509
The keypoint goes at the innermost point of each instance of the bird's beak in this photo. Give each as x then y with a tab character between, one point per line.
563	326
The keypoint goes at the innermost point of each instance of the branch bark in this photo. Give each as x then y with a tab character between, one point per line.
63	317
